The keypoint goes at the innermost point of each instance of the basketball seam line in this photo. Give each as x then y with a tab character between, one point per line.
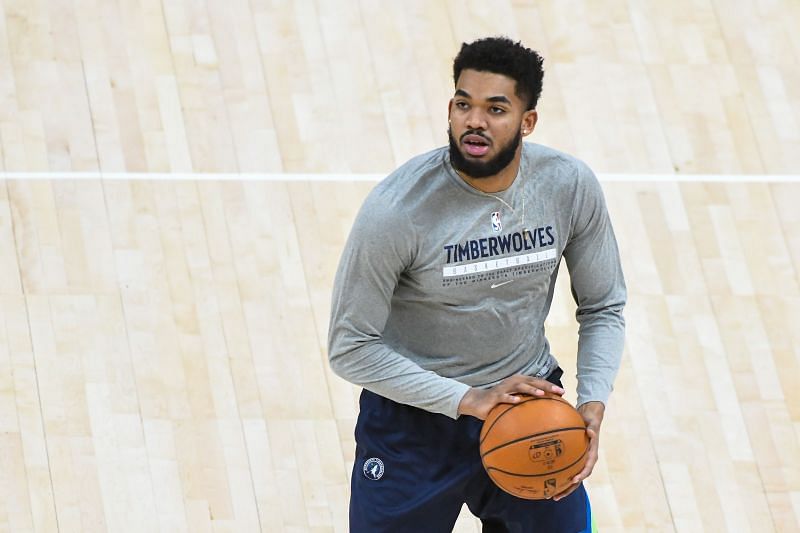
513	405
509	443
495	469
510	407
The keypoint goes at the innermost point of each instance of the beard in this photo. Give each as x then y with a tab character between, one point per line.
483	169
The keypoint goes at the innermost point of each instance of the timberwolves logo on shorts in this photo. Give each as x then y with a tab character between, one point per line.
373	469
497	225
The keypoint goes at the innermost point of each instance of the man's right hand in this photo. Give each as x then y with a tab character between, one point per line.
478	402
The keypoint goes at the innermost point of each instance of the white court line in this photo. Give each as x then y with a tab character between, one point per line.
272	176
186	176
735	178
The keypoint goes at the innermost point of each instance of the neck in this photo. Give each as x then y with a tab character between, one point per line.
496	183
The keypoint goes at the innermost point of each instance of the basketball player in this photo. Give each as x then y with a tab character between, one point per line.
440	300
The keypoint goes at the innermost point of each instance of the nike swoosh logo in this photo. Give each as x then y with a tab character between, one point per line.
495	285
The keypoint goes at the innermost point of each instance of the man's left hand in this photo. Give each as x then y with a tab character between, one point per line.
592	413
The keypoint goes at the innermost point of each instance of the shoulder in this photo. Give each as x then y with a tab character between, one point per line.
559	168
409	175
401	190
395	200
567	182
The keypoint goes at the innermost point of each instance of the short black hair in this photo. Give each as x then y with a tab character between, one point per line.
501	55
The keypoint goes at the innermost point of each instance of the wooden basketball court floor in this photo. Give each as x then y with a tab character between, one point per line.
178	181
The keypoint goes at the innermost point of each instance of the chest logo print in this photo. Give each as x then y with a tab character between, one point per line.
497	224
495	285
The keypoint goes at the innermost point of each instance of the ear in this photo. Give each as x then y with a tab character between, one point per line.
529	119
449	109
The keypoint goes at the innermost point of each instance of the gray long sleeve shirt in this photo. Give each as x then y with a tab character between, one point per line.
439	288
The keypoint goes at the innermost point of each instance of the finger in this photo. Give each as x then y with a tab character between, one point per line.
587	470
551	387
520	387
569	490
539	387
510	397
524	388
591	458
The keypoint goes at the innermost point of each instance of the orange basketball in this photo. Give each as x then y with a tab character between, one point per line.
532	449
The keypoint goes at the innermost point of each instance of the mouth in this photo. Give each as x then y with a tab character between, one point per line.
475	145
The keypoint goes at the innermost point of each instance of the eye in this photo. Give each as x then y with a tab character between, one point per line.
462	105
497	110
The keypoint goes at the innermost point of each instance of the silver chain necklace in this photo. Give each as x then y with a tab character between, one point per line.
522	220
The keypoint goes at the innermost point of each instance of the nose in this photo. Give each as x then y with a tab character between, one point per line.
476	119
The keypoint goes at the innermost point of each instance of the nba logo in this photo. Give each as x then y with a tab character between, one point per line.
549	487
496	224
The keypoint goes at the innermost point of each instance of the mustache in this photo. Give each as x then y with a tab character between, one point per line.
479	133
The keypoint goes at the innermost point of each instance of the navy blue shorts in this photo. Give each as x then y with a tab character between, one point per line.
415	469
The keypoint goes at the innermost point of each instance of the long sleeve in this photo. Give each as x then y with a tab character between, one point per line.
598	287
380	248
440	289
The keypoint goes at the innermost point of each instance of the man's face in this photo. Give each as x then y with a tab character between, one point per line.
487	121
